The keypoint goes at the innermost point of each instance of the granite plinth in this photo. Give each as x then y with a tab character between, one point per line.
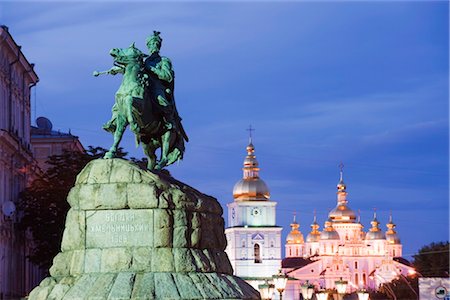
136	234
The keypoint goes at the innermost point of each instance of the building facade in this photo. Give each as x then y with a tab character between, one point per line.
254	239
343	250
17	77
46	142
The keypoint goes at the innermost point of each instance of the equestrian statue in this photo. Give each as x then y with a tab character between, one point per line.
145	101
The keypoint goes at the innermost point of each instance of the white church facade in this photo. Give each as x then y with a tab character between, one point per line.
254	239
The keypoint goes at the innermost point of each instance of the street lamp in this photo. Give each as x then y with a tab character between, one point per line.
266	290
341	286
322	295
307	290
363	295
280	281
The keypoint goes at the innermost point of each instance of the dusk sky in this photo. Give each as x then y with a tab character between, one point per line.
365	83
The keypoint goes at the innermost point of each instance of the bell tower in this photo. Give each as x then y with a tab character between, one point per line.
254	239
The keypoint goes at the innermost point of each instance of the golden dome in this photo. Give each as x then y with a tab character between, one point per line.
391	235
250	187
342	213
295	236
375	232
329	233
314	235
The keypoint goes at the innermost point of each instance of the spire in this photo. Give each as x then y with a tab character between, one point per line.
391	235
250	187
250	169
294	224
250	129
315	226
341	187
390	225
295	236
375	224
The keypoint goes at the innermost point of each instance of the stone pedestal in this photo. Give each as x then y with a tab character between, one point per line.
134	234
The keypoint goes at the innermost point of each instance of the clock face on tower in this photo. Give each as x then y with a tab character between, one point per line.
256	211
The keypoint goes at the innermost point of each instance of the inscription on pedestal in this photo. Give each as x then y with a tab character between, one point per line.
119	228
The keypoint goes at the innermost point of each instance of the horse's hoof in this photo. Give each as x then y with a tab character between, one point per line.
108	155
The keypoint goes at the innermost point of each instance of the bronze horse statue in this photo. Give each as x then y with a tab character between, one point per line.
145	101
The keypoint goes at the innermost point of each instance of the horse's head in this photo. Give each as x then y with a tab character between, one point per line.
125	56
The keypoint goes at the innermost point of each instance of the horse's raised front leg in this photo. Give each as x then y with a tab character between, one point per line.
121	124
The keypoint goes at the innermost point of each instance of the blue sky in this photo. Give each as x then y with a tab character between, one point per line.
365	83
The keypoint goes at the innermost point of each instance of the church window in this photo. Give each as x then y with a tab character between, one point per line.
393	252
243	243
310	251
290	251
271	243
356	279
364	279
296	251
356	265
256	253
332	248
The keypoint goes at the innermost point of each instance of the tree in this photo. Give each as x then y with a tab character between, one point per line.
433	260
43	206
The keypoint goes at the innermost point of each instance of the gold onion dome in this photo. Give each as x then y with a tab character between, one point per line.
391	235
375	233
250	187
342	213
295	236
314	235
329	233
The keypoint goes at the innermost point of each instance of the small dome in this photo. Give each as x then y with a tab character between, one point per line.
391	235
329	235
295	238
342	213
392	238
251	189
313	237
375	235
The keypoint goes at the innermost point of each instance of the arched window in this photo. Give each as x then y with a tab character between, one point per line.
364	279
310	251
356	265
332	248
356	279
290	251
243	243
256	254
296	252
393	252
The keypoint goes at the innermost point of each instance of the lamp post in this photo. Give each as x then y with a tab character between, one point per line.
280	281
363	294
341	286
266	290
322	295
307	290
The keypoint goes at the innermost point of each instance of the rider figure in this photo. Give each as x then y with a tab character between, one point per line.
161	80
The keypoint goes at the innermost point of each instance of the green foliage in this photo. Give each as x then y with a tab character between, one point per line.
433	260
43	206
